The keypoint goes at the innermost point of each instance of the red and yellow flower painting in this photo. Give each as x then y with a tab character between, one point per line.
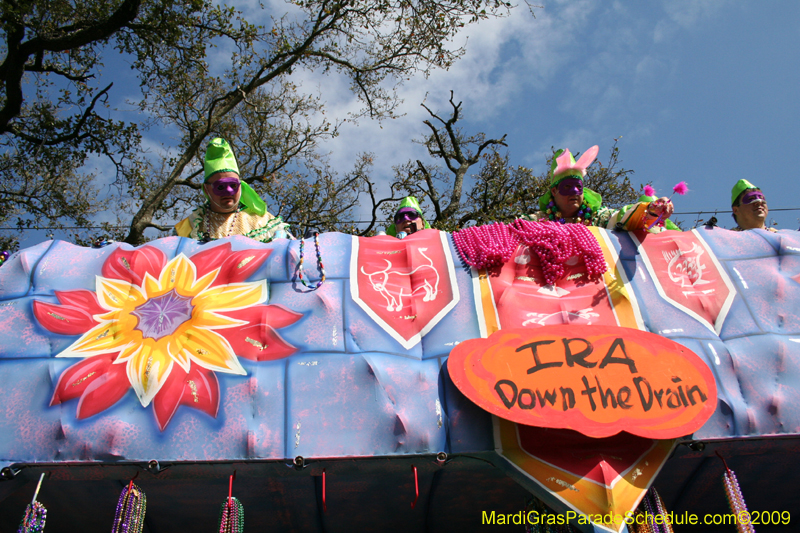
164	328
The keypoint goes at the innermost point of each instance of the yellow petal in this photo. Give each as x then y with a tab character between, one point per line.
128	322
231	297
151	286
128	351
179	274
179	354
173	346
147	371
116	294
202	284
210	320
105	317
211	351
103	338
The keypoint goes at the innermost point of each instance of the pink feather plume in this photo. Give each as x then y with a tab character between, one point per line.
681	188
649	191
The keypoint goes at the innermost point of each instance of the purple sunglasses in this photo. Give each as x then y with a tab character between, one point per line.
751	197
406	215
570	187
226	187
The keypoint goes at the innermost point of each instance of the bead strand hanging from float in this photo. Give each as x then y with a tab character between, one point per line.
736	499
35	514
231	513
131	509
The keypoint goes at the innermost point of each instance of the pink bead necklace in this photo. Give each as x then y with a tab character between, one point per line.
485	246
553	243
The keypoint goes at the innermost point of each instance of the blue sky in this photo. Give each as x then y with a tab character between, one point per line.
704	91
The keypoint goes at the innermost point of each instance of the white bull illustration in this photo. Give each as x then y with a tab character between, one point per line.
380	278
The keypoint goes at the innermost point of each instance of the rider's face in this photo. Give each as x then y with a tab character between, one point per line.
751	213
567	204
408	220
224	191
409	226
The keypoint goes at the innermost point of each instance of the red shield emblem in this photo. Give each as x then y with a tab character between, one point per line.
572	452
523	300
687	274
602	479
407	286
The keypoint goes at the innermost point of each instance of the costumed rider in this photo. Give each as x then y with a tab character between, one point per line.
408	219
641	215
568	201
232	207
749	207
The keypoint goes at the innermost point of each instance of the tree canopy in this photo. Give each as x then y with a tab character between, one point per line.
496	191
204	70
53	116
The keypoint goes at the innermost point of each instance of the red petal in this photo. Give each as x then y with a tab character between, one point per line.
104	391
132	265
75	379
65	320
205	393
240	265
257	342
275	315
234	266
198	388
81	299
169	396
210	258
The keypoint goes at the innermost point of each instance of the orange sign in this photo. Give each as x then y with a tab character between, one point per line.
598	380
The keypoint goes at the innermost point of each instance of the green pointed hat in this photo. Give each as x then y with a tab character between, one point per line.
564	166
408	201
739	188
220	158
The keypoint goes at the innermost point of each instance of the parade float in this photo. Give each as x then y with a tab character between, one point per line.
379	384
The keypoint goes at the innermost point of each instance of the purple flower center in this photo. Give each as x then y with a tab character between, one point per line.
162	315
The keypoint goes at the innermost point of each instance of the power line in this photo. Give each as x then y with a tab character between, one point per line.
726	210
63	228
705	212
125	227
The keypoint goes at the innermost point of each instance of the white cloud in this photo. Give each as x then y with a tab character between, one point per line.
506	60
689	13
475	79
587	53
664	31
686	15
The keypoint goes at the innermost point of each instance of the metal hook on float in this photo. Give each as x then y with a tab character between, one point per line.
416	487
230	487
130	485
724	462
8	473
324	503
